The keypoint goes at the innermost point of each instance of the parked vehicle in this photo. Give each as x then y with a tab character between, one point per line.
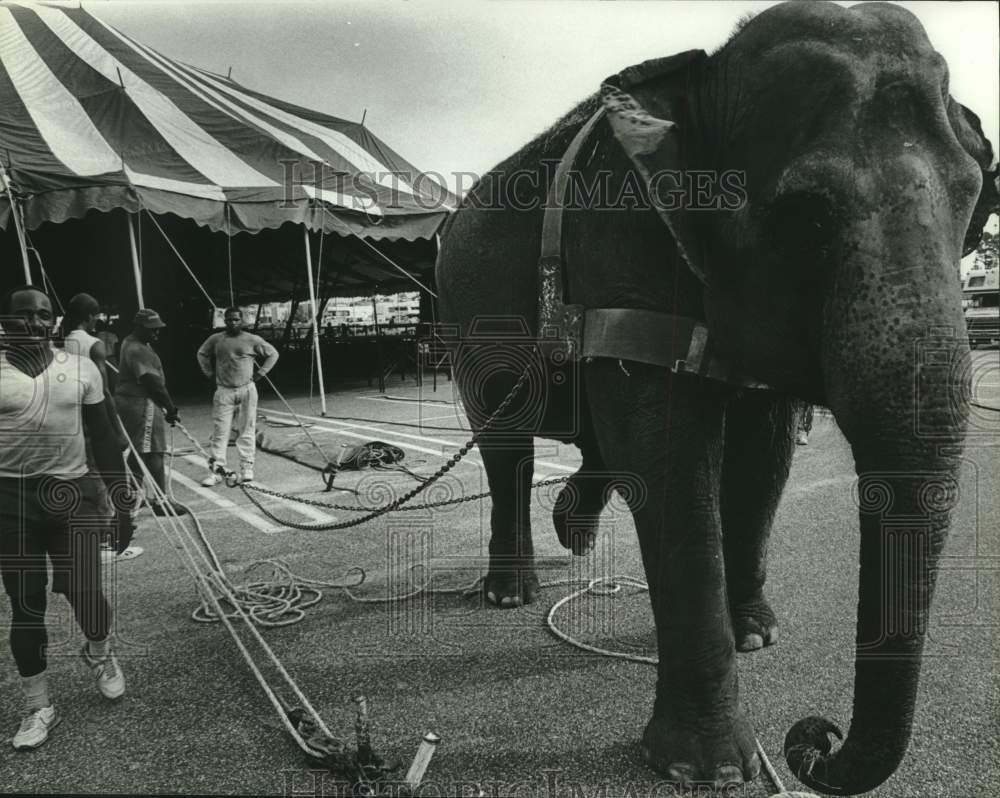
981	299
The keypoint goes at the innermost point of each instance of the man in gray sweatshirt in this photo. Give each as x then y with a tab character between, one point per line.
229	358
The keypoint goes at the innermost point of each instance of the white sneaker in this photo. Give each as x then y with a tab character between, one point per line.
110	679
131	553
246	475
35	728
211	480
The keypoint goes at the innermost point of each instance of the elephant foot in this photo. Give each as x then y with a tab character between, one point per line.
579	536
754	623
690	758
577	512
511	586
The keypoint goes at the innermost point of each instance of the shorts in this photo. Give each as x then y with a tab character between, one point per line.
50	519
143	422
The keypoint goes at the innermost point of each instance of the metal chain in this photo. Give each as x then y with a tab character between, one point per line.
395	504
354	508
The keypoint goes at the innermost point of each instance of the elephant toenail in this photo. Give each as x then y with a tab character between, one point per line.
492	597
727	776
772	635
751	642
680	773
752	769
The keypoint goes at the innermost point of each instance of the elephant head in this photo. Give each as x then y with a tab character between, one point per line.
860	184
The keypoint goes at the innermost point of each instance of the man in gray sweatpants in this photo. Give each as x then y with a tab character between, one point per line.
229	357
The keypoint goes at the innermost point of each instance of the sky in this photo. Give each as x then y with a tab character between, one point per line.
459	86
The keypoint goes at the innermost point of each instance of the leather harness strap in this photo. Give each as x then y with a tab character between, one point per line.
557	320
679	343
552	223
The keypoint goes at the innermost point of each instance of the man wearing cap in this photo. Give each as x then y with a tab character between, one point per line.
144	405
228	358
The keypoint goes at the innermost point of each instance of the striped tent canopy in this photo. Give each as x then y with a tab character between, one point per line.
93	120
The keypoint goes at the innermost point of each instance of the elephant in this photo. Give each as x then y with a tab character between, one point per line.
794	207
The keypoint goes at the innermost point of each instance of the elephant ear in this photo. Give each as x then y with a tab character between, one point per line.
645	108
969	131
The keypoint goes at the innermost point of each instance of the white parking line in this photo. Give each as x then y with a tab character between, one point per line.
383	400
231	507
386	435
421	420
304	509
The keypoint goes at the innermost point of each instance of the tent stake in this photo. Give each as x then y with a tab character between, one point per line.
315	323
136	270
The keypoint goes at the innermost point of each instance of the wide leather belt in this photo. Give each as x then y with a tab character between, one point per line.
679	343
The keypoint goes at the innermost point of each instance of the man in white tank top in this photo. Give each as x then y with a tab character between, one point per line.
78	339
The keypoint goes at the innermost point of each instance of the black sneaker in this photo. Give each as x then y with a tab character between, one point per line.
168	508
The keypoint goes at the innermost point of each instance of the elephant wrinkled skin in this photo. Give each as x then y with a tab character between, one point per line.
862	183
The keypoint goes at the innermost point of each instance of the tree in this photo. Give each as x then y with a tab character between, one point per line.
988	251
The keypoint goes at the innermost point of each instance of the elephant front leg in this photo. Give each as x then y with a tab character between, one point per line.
667	431
699	734
760	427
511	580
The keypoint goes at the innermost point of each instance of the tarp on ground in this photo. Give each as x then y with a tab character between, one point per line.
93	120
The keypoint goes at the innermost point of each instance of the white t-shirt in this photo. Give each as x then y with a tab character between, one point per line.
41	423
79	342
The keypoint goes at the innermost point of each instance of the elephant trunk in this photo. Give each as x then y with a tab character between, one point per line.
895	362
904	520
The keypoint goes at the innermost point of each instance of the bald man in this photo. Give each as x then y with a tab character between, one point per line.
48	502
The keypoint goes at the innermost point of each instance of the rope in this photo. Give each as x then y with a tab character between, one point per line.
609	586
298	420
50	286
180	258
395	265
208	584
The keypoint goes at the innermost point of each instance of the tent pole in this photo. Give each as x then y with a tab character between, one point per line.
136	271
17	225
378	346
315	323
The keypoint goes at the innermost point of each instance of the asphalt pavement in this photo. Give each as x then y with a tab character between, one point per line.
518	711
